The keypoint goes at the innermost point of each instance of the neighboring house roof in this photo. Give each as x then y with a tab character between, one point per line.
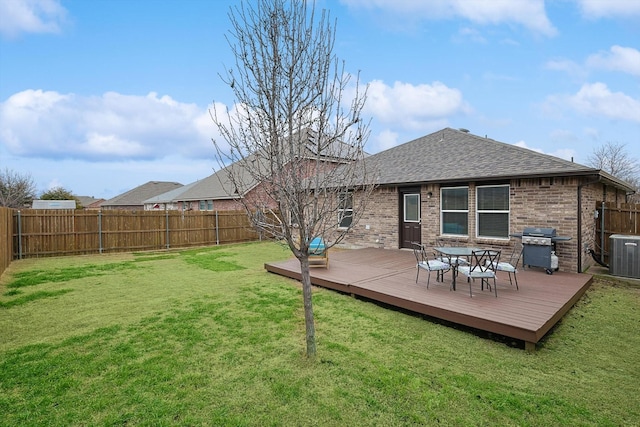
218	186
450	155
87	201
138	195
170	196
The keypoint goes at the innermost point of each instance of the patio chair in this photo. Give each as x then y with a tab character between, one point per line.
424	263
483	266
511	266
318	253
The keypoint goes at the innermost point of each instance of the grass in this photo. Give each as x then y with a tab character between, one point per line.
207	337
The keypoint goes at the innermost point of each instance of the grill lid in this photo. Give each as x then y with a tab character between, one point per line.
539	232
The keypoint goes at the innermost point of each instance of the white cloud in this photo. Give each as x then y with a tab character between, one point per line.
385	140
413	107
618	58
572	68
530	14
597	100
30	16
36	123
594	9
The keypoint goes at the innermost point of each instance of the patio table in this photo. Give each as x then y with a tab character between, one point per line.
456	252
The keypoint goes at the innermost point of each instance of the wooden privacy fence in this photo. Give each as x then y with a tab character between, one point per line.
38	233
612	219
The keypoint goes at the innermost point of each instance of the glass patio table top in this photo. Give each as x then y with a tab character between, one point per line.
455	252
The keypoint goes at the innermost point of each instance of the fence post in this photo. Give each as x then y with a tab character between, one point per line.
100	230
19	235
603	244
166	211
217	230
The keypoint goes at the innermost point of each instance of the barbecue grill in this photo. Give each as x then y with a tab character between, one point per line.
538	244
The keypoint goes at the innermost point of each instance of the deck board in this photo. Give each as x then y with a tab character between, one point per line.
388	276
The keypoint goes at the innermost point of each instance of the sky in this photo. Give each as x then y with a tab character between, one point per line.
101	96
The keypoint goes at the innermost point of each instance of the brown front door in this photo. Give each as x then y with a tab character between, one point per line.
410	229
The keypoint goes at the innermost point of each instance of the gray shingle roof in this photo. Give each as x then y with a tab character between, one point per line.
451	155
141	193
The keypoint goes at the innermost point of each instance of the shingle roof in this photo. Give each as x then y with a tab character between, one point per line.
451	155
141	193
218	186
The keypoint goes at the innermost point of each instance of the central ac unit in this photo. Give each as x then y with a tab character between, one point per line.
624	256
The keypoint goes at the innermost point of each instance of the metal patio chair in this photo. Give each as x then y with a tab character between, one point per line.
511	266
424	263
483	266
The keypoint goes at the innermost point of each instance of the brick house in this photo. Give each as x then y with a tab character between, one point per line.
455	185
218	193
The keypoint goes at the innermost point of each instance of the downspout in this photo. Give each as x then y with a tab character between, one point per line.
580	220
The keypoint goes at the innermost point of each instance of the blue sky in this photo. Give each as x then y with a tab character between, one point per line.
102	96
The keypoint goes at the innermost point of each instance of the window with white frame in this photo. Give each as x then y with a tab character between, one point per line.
492	211
345	209
454	210
206	205
412	208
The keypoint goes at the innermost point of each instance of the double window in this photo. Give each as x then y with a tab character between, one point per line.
206	205
492	211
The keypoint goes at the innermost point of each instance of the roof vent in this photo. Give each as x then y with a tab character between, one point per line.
464	130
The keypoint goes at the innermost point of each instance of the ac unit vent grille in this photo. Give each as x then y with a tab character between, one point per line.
624	259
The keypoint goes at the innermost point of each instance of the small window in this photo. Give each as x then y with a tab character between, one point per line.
345	209
454	207
209	205
493	211
411	208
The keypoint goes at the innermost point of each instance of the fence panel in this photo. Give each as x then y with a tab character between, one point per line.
612	219
69	232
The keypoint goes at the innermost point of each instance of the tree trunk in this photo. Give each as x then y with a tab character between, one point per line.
308	308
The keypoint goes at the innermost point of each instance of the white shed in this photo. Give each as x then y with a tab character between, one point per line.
53	204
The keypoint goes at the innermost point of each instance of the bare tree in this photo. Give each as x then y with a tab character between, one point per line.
612	157
16	190
295	138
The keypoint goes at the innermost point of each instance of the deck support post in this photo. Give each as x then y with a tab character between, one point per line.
529	346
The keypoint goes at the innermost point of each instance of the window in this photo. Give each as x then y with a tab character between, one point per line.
455	210
206	205
493	211
345	209
411	208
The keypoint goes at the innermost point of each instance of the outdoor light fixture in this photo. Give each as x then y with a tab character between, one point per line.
429	194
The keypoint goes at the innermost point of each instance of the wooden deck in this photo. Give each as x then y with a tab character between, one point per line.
389	277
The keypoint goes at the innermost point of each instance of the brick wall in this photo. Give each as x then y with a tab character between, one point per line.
541	202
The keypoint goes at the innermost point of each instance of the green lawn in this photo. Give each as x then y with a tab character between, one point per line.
208	337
